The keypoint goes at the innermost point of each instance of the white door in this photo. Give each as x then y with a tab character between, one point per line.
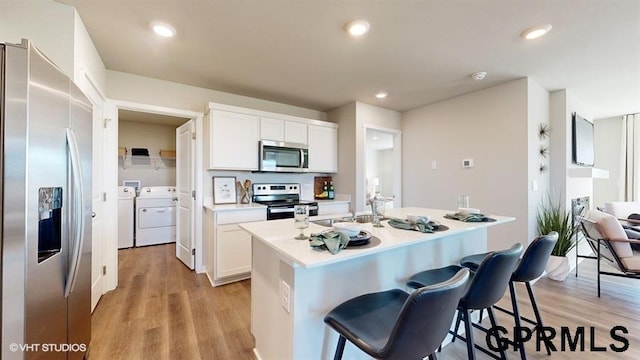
97	200
185	145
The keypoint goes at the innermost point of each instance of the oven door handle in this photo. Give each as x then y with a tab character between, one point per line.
313	208
281	210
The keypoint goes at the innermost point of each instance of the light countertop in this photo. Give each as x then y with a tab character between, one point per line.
279	236
208	204
339	199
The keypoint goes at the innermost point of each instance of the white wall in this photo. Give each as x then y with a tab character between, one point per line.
140	89
87	61
562	104
608	156
370	115
489	126
345	179
539	182
155	138
48	24
353	119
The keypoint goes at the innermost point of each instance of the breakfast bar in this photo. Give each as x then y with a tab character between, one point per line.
293	286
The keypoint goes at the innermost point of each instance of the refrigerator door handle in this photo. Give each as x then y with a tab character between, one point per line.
78	221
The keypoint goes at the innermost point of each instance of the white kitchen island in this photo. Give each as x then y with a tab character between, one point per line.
288	324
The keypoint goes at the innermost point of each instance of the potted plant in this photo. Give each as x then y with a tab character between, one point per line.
552	217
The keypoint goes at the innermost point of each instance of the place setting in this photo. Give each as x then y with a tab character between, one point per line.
343	235
466	213
421	223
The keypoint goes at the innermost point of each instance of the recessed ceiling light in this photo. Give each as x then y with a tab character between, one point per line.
382	94
358	27
535	32
480	75
375	138
163	29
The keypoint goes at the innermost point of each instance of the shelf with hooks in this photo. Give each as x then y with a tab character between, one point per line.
168	154
165	159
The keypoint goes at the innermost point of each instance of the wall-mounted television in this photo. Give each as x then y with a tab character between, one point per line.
583	148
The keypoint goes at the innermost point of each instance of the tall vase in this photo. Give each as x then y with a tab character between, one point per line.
245	198
558	268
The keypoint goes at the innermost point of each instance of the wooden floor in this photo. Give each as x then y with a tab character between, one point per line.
161	310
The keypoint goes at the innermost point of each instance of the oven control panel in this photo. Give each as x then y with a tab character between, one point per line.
276	189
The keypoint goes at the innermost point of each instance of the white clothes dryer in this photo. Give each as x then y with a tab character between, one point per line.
156	215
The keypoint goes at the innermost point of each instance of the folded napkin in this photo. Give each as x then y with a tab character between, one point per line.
469	217
334	241
419	225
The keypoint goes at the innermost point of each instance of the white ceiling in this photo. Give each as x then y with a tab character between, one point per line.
421	52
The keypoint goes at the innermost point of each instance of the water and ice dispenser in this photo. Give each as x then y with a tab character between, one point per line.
49	222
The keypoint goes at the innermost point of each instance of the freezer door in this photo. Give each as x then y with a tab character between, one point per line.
48	109
79	300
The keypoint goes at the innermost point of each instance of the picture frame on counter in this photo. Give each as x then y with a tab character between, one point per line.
224	190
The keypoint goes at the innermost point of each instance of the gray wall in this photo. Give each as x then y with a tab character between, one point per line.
490	126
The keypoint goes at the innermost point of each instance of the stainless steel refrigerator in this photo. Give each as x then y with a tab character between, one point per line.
46	208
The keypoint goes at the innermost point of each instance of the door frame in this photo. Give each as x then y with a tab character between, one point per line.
97	98
111	181
397	164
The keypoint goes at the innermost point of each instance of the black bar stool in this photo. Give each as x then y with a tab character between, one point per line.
530	267
487	286
396	325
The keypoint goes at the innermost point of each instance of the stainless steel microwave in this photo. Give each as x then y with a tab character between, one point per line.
278	156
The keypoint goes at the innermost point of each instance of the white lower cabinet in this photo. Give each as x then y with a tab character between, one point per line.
227	246
233	246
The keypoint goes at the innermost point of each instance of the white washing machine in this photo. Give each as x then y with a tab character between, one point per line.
156	215
126	194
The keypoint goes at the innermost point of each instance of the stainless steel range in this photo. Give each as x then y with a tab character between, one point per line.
280	200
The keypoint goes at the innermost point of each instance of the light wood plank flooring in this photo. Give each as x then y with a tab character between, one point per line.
161	310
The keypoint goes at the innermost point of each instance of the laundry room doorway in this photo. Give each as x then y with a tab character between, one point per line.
145	137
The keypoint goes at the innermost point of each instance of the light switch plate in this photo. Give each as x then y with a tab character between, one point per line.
285	296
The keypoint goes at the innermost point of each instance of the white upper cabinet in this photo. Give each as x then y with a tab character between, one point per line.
295	132
232	136
271	129
323	149
283	130
233	140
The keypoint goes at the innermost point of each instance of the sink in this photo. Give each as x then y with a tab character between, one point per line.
329	222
